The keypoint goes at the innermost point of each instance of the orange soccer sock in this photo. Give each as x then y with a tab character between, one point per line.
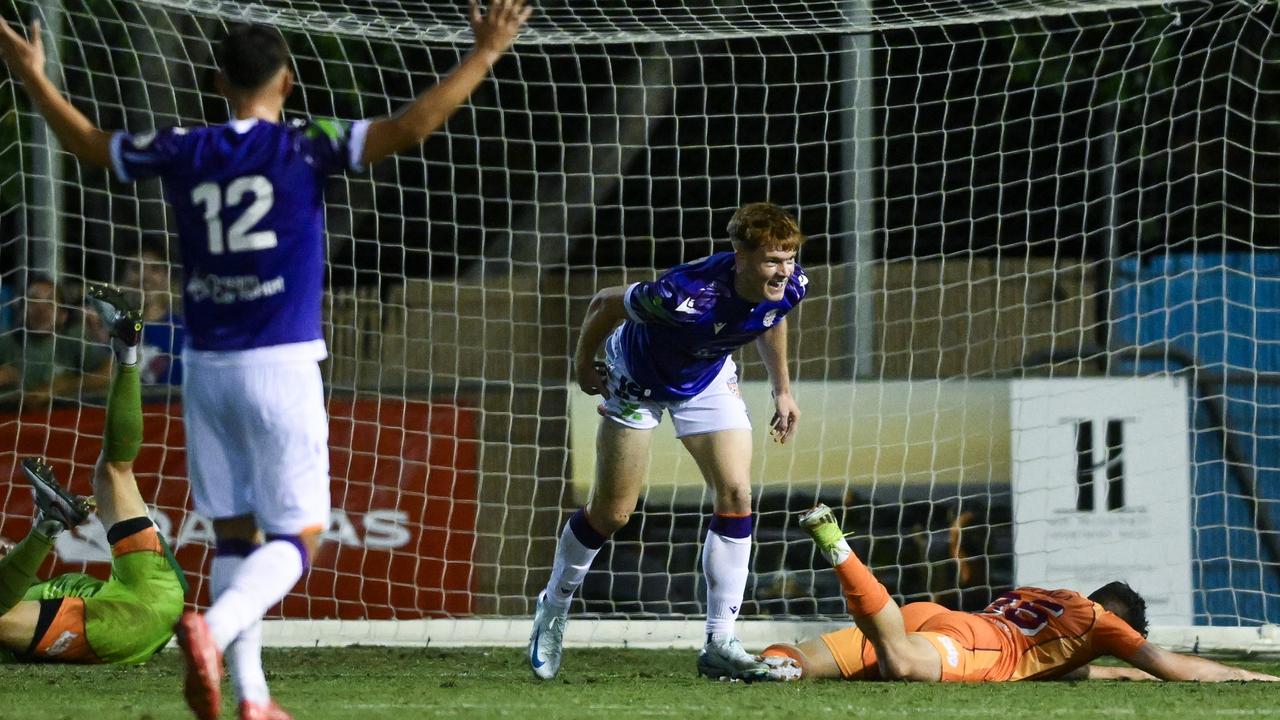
863	593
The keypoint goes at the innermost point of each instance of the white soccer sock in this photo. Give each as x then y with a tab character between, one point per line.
573	560
725	562
244	660
244	654
262	580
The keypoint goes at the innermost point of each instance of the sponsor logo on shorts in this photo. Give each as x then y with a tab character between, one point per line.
733	387
63	642
626	389
629	411
953	655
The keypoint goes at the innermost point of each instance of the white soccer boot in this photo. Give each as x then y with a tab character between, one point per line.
781	669
546	640
724	659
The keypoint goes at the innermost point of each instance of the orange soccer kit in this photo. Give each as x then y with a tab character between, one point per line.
1026	634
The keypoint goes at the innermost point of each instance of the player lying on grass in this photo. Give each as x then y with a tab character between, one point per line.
1026	634
248	202
76	618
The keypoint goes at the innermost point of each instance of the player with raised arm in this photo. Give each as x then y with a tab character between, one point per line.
671	354
248	199
1026	634
75	618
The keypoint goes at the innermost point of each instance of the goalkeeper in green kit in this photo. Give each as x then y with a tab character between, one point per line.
76	618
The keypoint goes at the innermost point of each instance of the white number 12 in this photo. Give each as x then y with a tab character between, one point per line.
238	239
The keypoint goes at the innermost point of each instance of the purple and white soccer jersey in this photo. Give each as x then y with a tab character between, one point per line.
248	197
673	351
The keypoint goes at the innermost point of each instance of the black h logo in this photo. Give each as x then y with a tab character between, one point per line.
1087	468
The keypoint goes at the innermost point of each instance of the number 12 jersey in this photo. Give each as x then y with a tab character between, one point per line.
248	198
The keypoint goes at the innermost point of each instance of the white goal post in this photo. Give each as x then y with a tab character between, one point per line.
1039	345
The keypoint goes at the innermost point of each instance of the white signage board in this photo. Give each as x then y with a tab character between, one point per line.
1101	488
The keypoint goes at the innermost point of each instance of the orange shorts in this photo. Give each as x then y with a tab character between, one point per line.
969	647
857	657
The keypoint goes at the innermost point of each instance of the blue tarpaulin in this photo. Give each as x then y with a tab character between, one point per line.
1223	310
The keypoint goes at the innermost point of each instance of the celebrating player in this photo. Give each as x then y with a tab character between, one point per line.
672	354
248	199
1026	634
75	618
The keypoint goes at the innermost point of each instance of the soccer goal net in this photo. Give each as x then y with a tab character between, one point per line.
1040	345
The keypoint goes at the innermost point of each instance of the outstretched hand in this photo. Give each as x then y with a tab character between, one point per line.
24	58
496	29
786	417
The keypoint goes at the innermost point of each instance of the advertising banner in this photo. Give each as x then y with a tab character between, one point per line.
402	528
1101	488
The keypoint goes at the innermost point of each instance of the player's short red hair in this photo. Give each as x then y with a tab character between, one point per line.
763	224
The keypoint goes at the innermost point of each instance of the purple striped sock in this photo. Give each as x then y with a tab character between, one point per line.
582	530
731	526
235	547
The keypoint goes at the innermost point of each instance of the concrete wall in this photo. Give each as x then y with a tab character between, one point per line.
504	345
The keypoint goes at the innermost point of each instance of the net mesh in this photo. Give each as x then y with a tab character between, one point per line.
994	193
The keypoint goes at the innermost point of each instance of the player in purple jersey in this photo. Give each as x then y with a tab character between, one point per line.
672	354
248	198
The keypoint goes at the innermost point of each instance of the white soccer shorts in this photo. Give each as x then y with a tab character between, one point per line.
718	407
258	442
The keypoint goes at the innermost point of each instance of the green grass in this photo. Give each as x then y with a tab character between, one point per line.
594	685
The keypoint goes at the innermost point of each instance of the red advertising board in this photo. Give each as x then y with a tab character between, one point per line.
404	482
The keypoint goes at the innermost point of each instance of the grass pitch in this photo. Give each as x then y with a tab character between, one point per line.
604	684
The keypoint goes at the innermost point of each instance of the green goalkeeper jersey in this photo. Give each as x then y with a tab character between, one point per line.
128	617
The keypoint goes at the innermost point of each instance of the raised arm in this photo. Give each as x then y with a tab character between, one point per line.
605	312
772	346
77	133
1101	672
494	32
1168	665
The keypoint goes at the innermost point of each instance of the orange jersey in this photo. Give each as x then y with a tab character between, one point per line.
1051	632
1026	634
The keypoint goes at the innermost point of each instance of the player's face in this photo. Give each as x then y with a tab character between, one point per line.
155	274
42	309
763	273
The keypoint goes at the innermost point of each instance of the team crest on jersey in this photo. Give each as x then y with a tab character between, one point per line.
143	141
770	318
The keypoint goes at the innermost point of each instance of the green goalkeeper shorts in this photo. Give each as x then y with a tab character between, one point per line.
123	620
